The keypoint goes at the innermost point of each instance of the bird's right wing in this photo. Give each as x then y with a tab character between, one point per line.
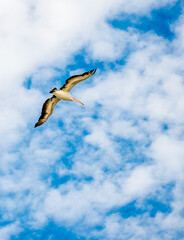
47	110
72	81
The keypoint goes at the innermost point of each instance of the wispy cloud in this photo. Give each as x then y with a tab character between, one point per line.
114	168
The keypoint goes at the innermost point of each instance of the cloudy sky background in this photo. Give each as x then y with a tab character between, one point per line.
113	168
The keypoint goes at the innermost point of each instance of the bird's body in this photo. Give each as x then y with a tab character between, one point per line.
62	94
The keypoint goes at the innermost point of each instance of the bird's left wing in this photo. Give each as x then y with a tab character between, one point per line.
72	81
47	110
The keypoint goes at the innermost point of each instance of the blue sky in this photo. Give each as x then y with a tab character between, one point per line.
113	168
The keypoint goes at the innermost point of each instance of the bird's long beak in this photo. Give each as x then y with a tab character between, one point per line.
78	101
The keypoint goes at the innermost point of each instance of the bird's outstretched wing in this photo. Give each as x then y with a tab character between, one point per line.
47	110
72	81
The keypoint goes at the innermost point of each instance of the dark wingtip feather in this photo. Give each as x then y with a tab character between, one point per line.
93	71
38	124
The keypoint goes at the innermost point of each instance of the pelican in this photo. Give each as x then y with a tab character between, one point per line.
62	94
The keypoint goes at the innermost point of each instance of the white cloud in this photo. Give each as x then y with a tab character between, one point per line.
108	43
141	6
9	230
135	100
169	154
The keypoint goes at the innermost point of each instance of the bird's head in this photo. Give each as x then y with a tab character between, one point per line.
53	90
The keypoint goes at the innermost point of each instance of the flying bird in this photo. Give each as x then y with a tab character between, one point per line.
62	94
